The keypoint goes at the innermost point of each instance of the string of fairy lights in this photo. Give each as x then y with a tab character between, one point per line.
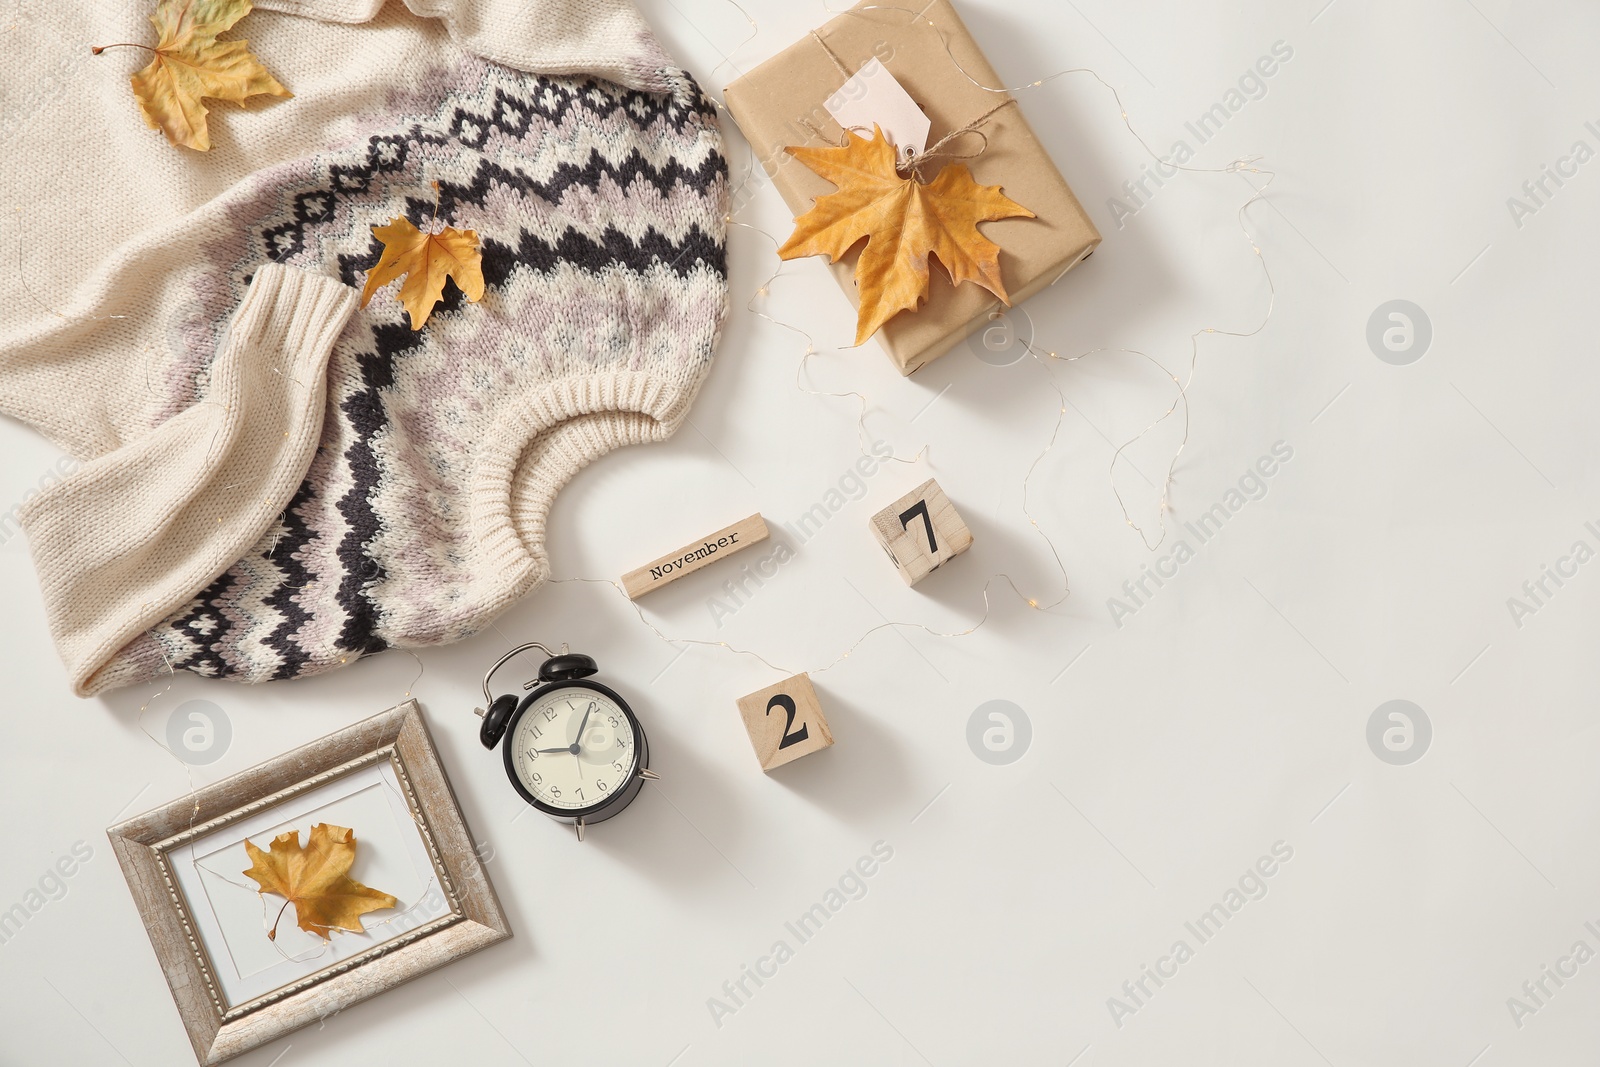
1044	358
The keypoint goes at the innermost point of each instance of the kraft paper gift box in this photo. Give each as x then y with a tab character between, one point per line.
780	103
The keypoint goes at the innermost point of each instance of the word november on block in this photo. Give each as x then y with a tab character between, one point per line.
785	722
921	531
691	557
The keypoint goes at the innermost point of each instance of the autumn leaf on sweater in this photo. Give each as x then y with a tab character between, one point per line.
315	879
426	259
904	221
191	65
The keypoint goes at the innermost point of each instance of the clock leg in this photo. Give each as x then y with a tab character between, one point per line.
578	826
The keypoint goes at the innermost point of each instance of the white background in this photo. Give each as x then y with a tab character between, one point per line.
1167	755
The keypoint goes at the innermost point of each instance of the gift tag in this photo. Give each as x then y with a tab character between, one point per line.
872	95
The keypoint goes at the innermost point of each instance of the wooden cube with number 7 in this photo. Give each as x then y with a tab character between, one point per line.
785	722
921	531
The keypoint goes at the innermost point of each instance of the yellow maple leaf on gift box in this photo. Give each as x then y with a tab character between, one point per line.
904	221
191	66
315	878
426	260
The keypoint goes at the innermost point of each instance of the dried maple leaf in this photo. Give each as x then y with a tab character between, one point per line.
903	221
190	65
315	879
426	259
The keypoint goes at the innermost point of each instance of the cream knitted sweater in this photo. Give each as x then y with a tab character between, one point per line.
277	482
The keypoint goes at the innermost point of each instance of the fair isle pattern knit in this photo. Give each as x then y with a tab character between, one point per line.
601	212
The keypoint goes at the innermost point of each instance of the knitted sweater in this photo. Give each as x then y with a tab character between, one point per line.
277	482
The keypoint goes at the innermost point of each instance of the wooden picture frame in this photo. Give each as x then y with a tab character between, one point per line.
473	918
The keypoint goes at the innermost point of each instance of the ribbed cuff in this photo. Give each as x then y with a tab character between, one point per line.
134	534
575	421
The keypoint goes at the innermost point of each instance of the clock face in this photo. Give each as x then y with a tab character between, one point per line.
573	748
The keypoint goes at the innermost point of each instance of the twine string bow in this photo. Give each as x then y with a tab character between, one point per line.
908	161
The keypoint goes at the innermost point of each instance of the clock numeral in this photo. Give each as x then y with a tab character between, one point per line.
601	783
617	766
555	790
791	736
537	779
549	714
613	721
533	753
537	730
580	793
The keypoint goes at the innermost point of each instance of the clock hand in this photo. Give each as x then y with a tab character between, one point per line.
581	726
563	748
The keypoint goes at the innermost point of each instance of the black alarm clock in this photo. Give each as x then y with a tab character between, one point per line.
573	748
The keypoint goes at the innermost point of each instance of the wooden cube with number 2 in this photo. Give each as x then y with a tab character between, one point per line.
921	531
785	722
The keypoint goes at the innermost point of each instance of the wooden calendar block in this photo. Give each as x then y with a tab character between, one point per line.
691	557
785	722
921	531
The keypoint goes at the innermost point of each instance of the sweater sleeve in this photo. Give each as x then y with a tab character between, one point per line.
607	38
134	532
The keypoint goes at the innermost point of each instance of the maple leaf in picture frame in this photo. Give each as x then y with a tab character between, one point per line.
315	878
